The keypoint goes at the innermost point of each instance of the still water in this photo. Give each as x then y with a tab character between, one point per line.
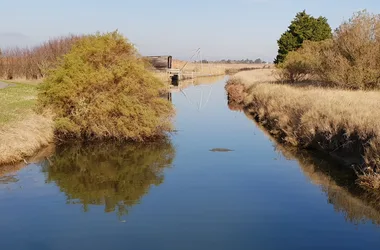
181	194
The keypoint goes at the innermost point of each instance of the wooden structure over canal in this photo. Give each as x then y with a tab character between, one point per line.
165	63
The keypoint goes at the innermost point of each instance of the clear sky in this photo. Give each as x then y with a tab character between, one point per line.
233	29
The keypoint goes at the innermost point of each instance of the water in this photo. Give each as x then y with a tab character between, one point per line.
178	194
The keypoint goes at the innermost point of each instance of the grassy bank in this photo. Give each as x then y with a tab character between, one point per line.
342	123
22	131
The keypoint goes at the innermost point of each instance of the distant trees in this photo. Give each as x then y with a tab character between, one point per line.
243	61
303	27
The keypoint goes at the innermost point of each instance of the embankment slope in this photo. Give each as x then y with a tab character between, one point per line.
342	123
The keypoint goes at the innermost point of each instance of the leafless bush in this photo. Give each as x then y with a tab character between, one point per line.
32	63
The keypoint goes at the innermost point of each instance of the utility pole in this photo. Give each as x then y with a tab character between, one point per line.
200	55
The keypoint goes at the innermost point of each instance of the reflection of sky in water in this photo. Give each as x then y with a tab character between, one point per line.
215	126
251	198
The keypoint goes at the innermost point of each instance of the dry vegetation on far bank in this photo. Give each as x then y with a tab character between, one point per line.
216	69
341	122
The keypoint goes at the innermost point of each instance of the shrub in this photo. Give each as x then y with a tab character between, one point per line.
354	60
306	62
102	90
295	68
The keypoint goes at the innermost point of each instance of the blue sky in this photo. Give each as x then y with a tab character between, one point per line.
222	29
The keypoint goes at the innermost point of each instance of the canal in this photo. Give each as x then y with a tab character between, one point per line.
219	182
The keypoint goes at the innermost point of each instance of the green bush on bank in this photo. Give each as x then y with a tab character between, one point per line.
102	90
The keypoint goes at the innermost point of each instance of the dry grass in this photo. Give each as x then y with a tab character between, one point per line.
207	69
368	179
23	138
25	81
258	76
22	131
342	122
214	69
163	76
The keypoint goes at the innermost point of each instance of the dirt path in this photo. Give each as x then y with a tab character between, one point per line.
3	85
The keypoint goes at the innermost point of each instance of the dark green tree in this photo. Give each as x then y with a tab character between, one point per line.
303	27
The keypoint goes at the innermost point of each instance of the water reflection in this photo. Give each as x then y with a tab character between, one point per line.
7	174
194	82
335	180
8	179
338	183
115	176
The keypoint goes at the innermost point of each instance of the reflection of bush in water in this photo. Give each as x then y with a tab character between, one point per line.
337	182
116	176
340	190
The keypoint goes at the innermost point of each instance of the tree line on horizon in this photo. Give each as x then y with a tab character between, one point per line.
242	61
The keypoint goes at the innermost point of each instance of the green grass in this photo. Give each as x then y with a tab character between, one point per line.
16	101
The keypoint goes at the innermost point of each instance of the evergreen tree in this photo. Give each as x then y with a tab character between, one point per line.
303	27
